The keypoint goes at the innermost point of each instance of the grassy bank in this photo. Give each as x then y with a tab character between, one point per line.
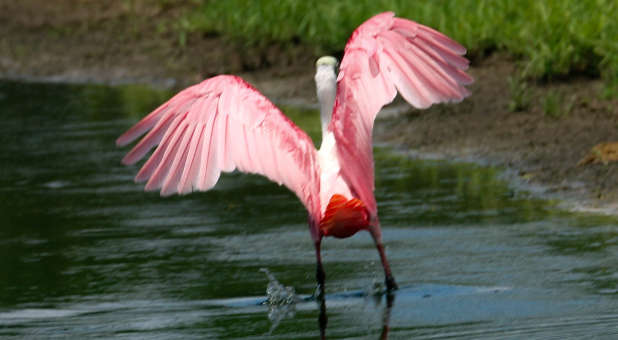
552	38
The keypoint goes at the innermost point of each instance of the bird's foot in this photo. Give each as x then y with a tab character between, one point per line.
391	285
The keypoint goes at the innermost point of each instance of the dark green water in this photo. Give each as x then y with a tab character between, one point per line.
85	253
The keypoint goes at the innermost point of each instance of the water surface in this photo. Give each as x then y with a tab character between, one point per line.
85	253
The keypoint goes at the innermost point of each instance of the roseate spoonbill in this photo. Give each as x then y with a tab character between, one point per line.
223	123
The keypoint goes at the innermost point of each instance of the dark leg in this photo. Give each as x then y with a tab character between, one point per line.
376	233
322	319
319	275
389	280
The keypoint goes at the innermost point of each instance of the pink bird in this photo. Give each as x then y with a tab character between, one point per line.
223	123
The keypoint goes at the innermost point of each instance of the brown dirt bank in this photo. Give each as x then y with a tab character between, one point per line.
135	41
542	145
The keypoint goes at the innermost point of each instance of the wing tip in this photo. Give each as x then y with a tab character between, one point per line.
167	193
123	140
129	158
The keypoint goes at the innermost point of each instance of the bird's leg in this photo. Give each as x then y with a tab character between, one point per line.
320	276
375	232
389	280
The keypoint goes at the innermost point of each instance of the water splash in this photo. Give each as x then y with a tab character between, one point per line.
375	288
281	300
276	293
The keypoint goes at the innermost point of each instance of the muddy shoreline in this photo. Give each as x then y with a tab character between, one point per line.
539	145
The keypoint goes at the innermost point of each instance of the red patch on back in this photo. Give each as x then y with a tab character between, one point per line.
343	217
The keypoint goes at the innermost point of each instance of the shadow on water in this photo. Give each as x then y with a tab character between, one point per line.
85	253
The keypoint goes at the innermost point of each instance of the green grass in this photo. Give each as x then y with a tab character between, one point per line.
556	105
520	95
552	38
551	105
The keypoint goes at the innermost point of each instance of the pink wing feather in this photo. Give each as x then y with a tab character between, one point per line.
385	55
218	125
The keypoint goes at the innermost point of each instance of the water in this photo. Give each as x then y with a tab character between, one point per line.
85	253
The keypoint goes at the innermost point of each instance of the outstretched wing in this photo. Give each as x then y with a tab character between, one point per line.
385	55
221	124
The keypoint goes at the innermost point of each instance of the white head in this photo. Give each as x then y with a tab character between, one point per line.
326	86
326	61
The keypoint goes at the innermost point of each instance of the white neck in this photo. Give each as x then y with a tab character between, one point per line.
326	85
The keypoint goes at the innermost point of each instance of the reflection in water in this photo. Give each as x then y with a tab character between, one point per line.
322	318
386	319
84	253
389	297
282	300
